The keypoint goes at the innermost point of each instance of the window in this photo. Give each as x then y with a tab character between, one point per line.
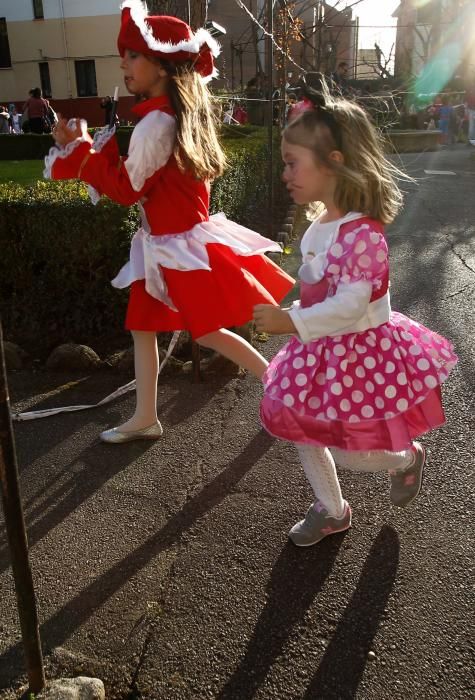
45	79
86	78
5	58
38	9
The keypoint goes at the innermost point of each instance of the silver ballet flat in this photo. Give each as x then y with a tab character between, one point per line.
113	435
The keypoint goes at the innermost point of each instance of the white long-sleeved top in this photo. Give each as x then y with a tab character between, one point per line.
349	310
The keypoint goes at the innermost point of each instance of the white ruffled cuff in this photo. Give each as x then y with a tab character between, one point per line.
101	137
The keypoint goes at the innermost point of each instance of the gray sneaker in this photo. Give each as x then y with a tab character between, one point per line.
317	524
406	484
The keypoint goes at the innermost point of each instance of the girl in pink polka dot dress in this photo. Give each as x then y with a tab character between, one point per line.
357	382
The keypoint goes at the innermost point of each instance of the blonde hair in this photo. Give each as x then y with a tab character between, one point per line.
197	149
366	180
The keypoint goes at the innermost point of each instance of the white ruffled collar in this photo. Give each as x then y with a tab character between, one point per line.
313	265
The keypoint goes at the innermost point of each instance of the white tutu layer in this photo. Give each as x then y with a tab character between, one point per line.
185	251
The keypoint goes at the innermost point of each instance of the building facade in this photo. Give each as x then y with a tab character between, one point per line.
441	31
368	64
68	47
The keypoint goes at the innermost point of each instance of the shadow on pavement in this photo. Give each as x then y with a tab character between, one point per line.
296	580
61	501
297	577
342	666
62	624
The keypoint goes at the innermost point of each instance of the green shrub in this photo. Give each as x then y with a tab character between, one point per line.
58	256
59	253
36	146
24	146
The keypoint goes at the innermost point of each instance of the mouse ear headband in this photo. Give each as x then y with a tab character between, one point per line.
167	38
318	95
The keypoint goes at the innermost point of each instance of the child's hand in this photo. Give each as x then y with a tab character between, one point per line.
273	319
65	132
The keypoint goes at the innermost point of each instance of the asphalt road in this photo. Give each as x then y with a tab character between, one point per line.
165	568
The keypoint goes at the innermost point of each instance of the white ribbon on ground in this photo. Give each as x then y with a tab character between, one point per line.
46	412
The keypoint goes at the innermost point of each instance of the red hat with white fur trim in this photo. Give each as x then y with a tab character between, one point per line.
165	37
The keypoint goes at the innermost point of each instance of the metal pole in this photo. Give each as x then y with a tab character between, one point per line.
232	65
270	114
17	539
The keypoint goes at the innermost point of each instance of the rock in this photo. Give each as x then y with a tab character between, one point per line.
123	361
72	356
172	365
244	331
15	357
80	688
218	364
182	348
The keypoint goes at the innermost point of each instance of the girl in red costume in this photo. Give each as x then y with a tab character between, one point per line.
357	382
186	270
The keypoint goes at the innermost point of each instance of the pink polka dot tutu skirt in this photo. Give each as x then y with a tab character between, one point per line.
376	390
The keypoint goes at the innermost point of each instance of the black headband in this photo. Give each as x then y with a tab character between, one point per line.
329	120
325	115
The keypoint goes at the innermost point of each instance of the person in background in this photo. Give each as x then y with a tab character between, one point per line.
228	114
240	114
4	121
107	104
445	121
339	79
290	102
470	106
15	119
36	107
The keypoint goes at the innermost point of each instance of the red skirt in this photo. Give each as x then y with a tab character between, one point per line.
210	299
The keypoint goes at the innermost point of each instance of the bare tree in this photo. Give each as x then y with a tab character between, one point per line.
167	7
381	67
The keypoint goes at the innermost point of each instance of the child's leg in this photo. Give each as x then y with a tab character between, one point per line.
405	469
330	513
235	349
319	468
374	461
146	375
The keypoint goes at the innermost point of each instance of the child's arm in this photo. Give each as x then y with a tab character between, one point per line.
335	314
126	182
329	317
273	319
358	265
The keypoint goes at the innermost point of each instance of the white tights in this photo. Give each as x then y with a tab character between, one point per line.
223	341
319	467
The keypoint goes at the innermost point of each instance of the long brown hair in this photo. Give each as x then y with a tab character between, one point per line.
366	180
197	149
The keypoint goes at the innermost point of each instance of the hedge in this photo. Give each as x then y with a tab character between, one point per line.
36	146
59	253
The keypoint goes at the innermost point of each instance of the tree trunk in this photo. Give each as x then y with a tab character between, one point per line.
198	13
